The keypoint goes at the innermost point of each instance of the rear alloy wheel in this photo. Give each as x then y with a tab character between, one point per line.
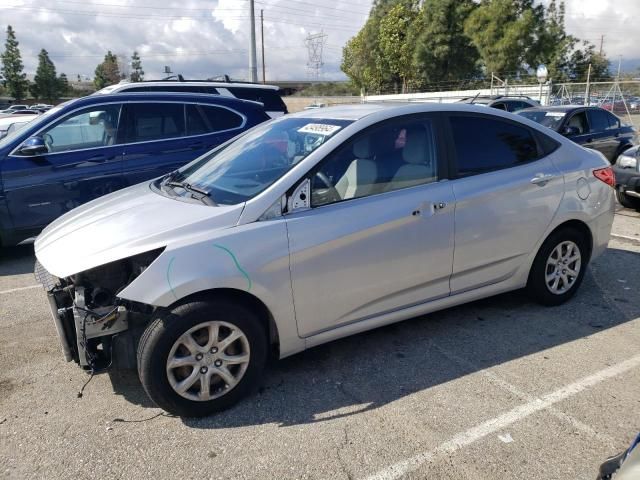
202	357
627	201
558	268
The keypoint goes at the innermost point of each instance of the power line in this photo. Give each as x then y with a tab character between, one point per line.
180	17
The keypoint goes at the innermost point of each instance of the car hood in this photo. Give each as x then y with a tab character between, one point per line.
122	224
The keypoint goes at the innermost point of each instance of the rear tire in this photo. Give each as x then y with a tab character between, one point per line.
627	201
559	267
186	367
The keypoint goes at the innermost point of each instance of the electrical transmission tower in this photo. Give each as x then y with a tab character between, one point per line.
315	43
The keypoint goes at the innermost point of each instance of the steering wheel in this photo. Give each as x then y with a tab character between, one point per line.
331	194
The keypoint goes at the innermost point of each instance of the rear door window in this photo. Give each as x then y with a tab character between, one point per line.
484	144
614	122
154	121
598	121
202	119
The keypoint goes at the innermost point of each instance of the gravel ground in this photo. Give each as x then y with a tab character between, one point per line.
501	388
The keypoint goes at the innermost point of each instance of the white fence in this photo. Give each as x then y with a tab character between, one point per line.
542	93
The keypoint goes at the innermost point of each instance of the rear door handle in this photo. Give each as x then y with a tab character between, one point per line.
542	179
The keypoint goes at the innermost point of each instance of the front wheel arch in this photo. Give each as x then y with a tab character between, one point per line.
245	299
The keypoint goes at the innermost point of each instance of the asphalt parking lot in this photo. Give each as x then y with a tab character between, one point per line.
496	389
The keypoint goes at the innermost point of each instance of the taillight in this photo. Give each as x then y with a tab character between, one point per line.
606	175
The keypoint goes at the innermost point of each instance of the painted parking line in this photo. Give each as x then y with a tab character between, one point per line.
493	425
20	289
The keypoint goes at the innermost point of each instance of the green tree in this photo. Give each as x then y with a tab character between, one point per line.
553	46
107	73
64	88
502	30
362	58
443	53
15	80
578	64
45	83
137	73
393	39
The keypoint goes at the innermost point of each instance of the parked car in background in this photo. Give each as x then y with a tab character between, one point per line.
28	111
268	95
315	105
372	214
18	107
94	145
620	107
510	104
627	171
12	123
591	127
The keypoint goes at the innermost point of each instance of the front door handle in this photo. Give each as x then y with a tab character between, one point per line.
542	179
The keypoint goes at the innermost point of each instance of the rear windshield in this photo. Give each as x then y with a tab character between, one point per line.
270	98
551	119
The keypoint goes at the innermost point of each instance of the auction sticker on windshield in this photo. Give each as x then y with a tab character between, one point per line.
555	114
319	129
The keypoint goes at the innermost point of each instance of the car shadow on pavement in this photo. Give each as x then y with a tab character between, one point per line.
372	369
16	260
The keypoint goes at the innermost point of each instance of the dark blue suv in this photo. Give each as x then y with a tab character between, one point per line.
94	145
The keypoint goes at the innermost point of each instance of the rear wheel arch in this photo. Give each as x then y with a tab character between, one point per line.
581	228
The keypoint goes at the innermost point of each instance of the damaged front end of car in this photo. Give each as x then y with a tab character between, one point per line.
98	329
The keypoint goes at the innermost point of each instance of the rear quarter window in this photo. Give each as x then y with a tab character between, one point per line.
270	98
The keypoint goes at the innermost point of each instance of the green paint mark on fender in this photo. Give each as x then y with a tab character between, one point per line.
168	279
235	260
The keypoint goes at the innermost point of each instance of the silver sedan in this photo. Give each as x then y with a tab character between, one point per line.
315	226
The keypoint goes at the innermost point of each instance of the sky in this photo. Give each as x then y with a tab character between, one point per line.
205	38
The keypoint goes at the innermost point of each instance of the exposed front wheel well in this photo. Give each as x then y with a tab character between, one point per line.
247	300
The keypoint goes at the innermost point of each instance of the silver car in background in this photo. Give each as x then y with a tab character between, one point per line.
315	226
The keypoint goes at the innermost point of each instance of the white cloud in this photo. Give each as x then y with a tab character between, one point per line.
202	38
197	38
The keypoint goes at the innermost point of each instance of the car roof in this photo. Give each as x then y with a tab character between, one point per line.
361	110
186	97
173	83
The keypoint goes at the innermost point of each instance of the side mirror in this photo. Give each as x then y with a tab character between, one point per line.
570	131
33	146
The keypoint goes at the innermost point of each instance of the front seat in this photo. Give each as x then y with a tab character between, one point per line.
360	178
419	166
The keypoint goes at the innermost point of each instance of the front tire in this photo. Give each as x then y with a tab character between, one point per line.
627	201
201	357
559	267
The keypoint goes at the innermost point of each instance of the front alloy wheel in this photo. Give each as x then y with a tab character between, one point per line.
208	360
202	356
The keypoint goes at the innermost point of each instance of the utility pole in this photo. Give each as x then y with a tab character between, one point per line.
601	42
587	92
253	71
262	43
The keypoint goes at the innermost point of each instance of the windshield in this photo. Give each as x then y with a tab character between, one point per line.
255	160
549	119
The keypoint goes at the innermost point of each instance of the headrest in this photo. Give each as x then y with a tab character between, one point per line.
416	149
362	148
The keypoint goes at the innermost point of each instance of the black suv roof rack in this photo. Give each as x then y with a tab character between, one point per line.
219	78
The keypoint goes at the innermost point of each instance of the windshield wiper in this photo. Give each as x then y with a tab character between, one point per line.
205	197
